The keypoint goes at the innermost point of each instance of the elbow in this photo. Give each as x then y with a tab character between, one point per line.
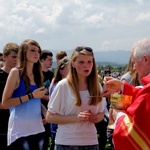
4	105
49	117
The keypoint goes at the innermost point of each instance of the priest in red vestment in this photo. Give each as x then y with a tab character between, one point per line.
132	125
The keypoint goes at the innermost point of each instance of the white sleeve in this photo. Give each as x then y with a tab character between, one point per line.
119	114
104	101
56	102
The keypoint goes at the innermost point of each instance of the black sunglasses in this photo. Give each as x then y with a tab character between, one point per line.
79	49
63	62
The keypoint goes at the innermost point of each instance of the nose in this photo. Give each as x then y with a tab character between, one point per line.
85	64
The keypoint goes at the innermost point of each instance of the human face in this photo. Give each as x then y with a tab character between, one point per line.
64	71
83	65
138	67
47	62
11	59
33	53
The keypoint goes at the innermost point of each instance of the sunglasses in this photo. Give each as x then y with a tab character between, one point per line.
79	49
63	62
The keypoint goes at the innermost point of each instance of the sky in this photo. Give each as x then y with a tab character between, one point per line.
104	25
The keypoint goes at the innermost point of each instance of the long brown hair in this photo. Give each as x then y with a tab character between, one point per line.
61	64
92	79
22	65
134	74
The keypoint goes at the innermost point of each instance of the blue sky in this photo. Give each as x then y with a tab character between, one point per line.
64	24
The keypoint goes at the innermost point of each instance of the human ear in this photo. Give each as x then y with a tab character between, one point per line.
146	59
72	64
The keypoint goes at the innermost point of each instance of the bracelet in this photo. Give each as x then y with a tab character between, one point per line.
20	100
30	96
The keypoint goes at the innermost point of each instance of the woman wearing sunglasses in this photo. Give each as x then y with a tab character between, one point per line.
76	104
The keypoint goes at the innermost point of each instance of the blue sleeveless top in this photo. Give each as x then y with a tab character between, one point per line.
25	119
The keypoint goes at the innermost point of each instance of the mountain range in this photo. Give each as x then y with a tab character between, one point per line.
118	57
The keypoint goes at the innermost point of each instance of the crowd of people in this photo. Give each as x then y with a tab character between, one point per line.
70	109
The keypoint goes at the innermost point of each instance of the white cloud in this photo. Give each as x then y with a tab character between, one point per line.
140	2
104	25
105	45
143	17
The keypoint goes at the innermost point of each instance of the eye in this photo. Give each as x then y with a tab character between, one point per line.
89	62
14	57
81	62
32	50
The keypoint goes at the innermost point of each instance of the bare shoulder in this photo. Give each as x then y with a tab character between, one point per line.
14	73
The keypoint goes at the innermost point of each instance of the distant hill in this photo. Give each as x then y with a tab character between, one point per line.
119	57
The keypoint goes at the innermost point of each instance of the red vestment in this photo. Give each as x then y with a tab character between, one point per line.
132	131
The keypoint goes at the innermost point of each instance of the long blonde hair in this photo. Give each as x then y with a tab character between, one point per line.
92	79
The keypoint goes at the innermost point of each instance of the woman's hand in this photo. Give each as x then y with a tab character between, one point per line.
39	93
89	116
84	116
44	121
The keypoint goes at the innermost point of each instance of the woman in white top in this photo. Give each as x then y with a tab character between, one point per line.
76	104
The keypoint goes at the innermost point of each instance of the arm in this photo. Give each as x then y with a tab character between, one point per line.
60	119
11	84
45	98
82	117
44	110
1	107
111	86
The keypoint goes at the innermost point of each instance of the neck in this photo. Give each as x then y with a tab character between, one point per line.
6	68
82	79
29	69
45	69
82	84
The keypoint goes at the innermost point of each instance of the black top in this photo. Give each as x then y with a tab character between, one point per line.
48	76
4	113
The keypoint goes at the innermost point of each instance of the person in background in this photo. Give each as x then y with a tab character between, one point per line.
1	57
61	72
76	103
46	59
22	93
60	55
130	75
10	53
132	124
102	125
102	129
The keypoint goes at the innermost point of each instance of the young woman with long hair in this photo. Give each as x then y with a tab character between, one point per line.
22	95
76	103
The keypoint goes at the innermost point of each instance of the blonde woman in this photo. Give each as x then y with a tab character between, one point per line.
76	104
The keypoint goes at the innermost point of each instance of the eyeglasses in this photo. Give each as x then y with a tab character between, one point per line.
79	49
